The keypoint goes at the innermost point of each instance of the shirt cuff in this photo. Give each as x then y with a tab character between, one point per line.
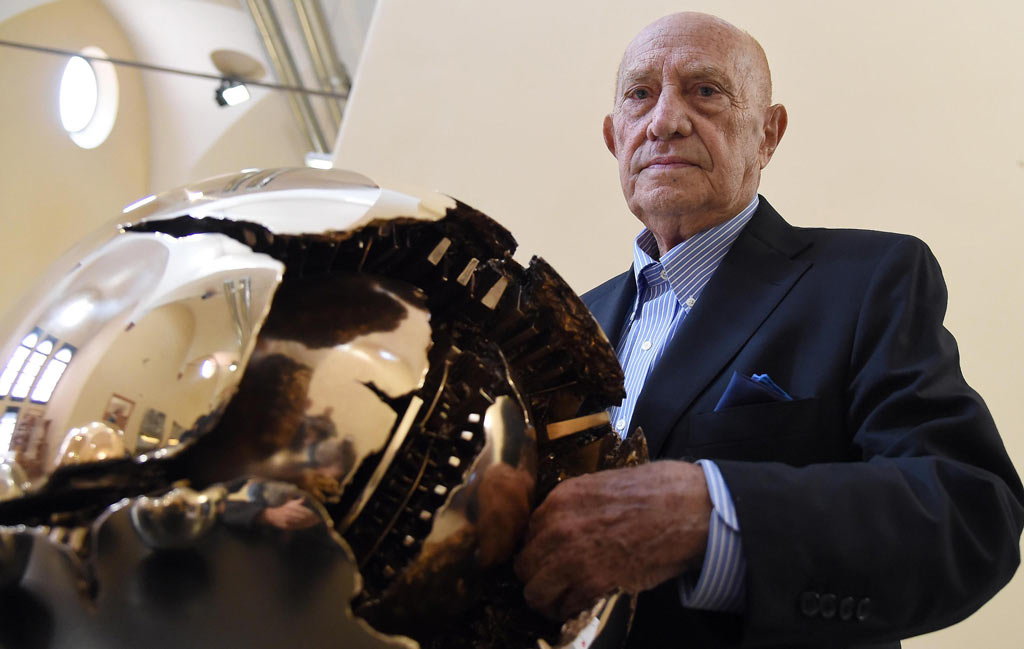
720	584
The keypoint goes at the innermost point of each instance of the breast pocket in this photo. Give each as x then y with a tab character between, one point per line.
795	432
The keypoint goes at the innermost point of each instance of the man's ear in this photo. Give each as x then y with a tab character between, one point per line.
774	129
609	133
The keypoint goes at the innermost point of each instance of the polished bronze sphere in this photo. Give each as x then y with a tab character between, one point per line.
278	393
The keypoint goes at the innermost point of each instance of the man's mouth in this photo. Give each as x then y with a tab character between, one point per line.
668	162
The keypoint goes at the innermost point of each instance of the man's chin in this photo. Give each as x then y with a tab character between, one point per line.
667	203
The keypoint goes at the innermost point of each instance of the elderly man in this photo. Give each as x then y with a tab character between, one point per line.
835	482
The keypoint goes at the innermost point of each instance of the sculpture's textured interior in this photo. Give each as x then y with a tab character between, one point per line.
403	401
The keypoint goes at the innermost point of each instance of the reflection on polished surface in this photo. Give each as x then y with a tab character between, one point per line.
354	364
493	500
178	518
305	367
14	555
125	354
13	480
93	442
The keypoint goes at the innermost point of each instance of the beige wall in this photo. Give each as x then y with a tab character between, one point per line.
51	192
264	137
903	116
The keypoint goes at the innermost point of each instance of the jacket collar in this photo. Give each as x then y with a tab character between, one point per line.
753	278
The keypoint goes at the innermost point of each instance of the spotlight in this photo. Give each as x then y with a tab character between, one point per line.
231	93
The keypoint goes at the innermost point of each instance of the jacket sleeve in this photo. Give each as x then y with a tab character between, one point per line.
919	532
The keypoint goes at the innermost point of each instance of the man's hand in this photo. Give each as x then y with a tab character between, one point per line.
292	515
629	528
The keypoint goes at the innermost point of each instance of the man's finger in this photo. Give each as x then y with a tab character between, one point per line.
580	598
556	504
546	542
545	592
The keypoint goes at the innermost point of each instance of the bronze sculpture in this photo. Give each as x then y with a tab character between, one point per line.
288	365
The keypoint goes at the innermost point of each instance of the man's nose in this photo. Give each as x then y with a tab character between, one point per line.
670	117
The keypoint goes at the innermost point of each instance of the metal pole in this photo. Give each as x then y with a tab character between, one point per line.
160	68
284	66
330	71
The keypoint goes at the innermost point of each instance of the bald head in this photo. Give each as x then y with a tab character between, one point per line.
693	124
747	52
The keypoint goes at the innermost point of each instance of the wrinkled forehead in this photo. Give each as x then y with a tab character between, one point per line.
707	48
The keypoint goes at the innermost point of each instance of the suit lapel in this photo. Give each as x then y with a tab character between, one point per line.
611	302
753	277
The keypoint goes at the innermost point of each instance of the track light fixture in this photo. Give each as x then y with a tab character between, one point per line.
231	93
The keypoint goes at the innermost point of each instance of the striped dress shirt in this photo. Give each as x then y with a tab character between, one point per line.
666	291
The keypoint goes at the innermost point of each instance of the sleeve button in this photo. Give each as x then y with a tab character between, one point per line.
846	608
810	603
863	609
828	606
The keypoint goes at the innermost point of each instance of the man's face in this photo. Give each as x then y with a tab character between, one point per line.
691	128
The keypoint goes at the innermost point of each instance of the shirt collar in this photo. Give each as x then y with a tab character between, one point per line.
706	248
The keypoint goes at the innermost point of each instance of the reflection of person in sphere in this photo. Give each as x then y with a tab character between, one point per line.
256	503
286	506
334	457
319	461
314	429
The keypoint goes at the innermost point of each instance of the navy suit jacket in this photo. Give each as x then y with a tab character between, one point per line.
880	502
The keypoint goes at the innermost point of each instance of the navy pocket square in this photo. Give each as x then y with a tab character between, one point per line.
749	390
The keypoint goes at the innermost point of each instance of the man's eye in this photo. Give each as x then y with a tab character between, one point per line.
639	93
706	91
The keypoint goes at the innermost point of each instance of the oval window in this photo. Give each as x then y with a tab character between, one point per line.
77	95
88	99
